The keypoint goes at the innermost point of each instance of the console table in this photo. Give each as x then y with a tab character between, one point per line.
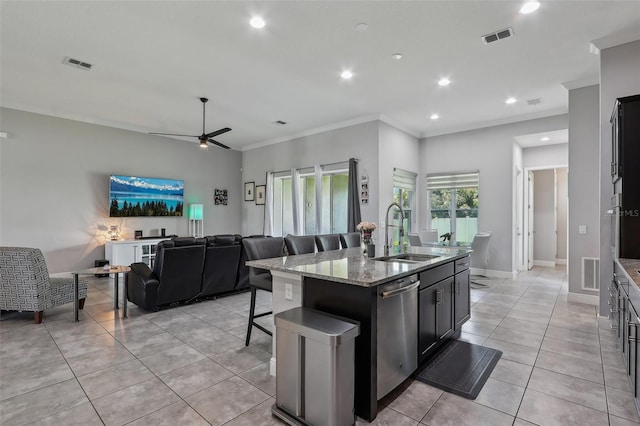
126	252
114	270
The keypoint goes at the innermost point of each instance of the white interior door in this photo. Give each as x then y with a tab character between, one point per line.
555	213
530	227
519	220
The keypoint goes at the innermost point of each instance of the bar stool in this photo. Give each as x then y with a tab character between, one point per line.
328	242
300	244
260	279
350	239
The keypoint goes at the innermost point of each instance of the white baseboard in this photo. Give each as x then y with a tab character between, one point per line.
588	299
490	273
545	263
561	261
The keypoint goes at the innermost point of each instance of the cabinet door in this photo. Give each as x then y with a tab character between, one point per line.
444	307
632	337
462	305
427	337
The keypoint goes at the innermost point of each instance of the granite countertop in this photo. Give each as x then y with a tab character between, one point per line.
351	266
632	268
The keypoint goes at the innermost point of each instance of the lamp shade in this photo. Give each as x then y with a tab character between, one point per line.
196	211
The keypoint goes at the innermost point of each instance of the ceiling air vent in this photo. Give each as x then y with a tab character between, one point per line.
498	35
534	101
279	123
76	63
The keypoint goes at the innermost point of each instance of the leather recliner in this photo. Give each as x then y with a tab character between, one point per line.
176	276
221	264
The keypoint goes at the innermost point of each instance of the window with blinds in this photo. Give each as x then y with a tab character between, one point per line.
453	205
404	189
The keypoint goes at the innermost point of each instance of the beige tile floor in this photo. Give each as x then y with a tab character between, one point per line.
189	365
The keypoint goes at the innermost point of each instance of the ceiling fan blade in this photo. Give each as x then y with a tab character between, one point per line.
221	145
173	134
218	132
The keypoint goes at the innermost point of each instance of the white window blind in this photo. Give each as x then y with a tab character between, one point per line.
452	181
404	179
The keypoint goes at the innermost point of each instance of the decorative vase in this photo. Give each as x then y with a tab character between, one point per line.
367	240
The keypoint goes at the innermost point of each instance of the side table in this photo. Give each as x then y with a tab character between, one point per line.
114	270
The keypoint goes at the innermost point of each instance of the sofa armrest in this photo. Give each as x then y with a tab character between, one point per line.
146	277
143	286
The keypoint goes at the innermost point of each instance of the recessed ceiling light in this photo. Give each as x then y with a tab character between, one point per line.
510	101
529	7
346	74
444	81
257	22
397	56
362	26
544	139
434	116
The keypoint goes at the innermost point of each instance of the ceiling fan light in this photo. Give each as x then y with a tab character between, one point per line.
203	144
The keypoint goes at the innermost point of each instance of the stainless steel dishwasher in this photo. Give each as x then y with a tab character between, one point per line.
397	325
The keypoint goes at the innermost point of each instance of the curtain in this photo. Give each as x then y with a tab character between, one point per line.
268	206
353	201
318	172
295	208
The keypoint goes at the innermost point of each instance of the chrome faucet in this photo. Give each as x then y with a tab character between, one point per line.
386	227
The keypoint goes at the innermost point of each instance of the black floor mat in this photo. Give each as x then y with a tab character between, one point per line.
460	368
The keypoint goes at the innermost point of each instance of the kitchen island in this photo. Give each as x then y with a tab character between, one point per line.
395	337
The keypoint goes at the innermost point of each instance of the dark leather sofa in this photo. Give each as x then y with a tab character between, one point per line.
186	269
221	265
176	275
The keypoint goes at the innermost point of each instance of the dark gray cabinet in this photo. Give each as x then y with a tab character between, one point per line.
435	322
462	306
444	304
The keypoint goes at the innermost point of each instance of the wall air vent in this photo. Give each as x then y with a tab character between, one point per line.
76	63
590	273
279	123
498	35
534	101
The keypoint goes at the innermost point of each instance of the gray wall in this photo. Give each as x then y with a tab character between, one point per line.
562	201
401	150
491	151
544	242
619	76
359	141
584	161
546	156
54	185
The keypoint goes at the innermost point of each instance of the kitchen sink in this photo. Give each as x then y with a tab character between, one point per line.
407	258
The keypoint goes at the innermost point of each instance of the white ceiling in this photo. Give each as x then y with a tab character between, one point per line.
152	60
554	137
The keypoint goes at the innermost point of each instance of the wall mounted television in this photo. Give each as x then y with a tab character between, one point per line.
140	196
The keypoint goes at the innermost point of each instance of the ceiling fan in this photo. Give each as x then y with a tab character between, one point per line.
204	137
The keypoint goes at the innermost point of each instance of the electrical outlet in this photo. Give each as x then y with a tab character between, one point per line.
582	229
288	291
382	224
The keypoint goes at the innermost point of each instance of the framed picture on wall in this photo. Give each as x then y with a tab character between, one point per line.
260	195
220	197
249	191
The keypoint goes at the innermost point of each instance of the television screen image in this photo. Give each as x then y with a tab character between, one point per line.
139	196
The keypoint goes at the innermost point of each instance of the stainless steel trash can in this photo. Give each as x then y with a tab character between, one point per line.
315	355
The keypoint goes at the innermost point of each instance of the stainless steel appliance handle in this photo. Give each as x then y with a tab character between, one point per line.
398	291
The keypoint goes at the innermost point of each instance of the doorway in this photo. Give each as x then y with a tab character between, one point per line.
545	212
